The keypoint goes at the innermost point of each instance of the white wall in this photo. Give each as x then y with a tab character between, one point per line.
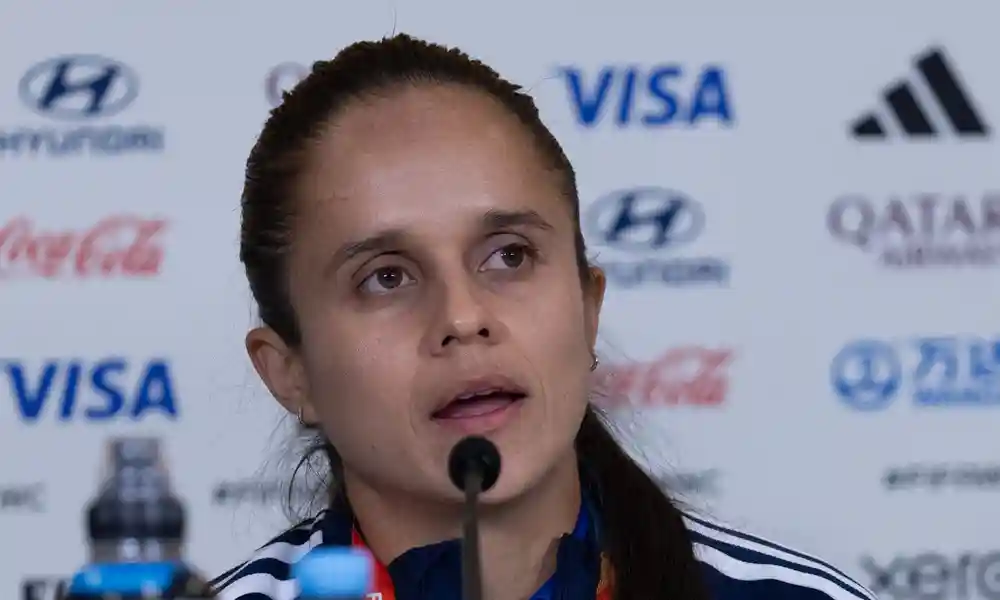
786	456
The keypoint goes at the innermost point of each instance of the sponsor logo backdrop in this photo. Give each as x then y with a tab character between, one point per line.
799	211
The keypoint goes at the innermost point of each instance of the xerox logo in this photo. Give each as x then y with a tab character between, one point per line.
931	105
964	576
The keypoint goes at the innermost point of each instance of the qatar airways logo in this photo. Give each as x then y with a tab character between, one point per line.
682	376
118	246
921	230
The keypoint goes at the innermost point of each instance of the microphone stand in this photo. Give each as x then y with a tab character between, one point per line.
472	584
473	467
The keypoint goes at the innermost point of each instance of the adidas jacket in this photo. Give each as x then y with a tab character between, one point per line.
736	566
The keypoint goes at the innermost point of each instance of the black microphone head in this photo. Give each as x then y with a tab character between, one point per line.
474	453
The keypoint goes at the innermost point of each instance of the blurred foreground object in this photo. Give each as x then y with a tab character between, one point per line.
135	531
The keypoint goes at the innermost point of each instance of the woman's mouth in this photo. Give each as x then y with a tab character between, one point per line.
479	410
478	404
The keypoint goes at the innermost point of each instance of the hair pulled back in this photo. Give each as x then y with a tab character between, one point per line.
644	534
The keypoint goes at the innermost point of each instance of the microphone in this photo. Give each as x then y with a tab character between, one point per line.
473	466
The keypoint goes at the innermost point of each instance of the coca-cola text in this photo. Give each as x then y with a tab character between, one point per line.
118	246
681	376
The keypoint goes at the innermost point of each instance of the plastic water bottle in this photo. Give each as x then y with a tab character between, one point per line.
342	573
135	529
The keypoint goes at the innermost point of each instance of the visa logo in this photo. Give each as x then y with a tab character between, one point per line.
661	96
108	389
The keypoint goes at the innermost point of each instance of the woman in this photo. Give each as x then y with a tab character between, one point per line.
411	235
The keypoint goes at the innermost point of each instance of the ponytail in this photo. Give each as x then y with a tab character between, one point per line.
643	532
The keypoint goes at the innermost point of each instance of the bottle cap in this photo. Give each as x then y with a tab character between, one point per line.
335	573
123	579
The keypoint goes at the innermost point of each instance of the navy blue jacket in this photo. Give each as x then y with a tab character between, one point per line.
736	566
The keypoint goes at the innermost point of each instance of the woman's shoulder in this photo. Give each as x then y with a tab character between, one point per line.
742	566
737	565
266	575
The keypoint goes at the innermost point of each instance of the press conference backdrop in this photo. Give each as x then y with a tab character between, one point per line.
798	207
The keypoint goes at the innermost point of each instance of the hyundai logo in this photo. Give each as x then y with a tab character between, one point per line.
644	219
79	87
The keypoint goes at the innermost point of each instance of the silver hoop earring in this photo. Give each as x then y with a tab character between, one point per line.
595	364
298	415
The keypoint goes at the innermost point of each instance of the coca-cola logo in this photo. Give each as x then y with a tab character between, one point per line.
118	246
688	375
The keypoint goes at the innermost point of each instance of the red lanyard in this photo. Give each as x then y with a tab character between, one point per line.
384	589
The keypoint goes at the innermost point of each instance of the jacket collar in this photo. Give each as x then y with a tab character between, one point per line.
433	572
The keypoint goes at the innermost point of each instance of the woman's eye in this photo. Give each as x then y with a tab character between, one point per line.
385	280
509	257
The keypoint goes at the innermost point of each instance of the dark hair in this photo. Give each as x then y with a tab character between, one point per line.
643	531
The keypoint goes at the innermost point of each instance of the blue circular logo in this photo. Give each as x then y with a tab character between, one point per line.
866	375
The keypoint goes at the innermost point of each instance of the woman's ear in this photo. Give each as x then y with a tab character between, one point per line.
282	372
593	299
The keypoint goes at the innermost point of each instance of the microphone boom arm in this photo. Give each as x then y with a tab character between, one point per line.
472	584
473	467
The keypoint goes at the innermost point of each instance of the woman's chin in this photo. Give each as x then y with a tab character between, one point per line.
501	494
515	483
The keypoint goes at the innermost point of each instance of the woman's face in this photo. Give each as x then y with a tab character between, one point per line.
434	277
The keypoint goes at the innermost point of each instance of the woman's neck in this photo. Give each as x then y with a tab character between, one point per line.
518	539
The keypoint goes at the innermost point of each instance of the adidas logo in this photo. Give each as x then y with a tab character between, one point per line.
915	115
